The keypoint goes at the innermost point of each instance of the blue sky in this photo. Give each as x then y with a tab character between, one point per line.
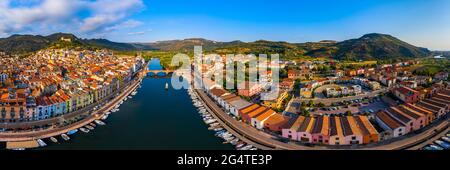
419	22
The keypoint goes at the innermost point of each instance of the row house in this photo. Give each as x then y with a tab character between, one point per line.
252	111
259	120
391	126
300	74
13	110
406	94
332	130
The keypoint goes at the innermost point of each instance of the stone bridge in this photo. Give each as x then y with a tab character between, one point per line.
159	71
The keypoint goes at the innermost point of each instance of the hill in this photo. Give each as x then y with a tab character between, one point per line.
22	44
378	46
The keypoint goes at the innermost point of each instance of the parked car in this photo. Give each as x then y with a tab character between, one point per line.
428	148
436	147
444	138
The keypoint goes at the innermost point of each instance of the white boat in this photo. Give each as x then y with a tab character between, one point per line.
92	124
130	97
209	121
65	137
167	86
99	122
108	113
105	117
228	139
254	149
89	127
54	140
214	124
240	145
41	143
84	130
218	129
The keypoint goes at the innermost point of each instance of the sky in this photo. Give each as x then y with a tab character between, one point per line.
422	23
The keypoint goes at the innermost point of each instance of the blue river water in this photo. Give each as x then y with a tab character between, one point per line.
154	119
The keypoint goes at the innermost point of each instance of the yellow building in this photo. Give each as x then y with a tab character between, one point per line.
277	103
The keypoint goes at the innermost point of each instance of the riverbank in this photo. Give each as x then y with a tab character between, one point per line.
154	119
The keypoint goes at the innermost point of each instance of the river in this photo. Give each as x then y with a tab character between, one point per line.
154	119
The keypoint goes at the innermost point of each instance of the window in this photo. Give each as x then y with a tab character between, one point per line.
353	137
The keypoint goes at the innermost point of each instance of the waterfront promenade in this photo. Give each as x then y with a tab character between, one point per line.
55	131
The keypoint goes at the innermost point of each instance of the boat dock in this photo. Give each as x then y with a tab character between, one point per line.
22	144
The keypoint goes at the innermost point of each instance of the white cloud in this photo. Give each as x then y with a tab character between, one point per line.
125	25
98	15
137	33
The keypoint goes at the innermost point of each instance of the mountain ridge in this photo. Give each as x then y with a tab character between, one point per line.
367	47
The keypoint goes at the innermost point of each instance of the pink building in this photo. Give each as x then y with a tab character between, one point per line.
418	120
290	130
336	134
304	132
406	121
320	132
352	134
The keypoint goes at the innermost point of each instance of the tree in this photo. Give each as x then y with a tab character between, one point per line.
311	103
303	104
321	104
348	113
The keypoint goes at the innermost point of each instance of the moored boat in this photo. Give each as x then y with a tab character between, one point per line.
99	122
240	145
71	132
84	130
54	140
89	127
41	143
